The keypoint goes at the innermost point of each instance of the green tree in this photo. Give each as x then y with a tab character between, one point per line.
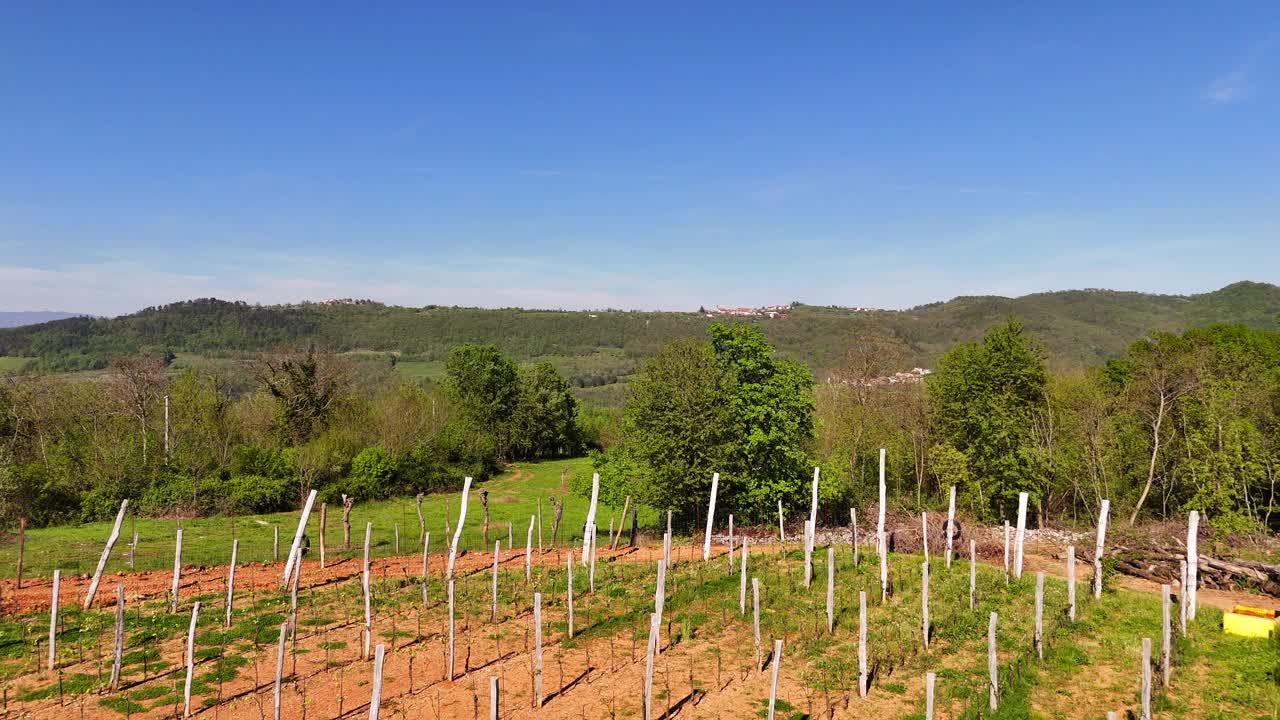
986	398
307	387
545	421
484	386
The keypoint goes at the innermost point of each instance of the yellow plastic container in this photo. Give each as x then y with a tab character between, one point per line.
1246	622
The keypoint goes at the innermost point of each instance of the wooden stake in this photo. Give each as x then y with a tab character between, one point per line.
426	548
133	550
324	524
930	679
275	543
396	530
813	508
884	568
422	520
177	571
730	543
626	504
1193	564
660	589
862	643
1182	596
1098	547
375	697
53	620
296	548
951	522
742	580
782	535
711	515
1166	636
853	533
537	650
569	569
106	555
528	551
1071	583
808	553
493	609
831	589
993	670
591	571
457	532
1039	633
1021	538
1146	679
117	651
494	705
22	547
275	697
453	623
650	652
191	659
924	604
539	527
924	534
231	582
755	616
1006	553
883	499
364	586
773	684
973	574
591	514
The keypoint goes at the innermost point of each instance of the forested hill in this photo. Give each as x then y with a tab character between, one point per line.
1077	327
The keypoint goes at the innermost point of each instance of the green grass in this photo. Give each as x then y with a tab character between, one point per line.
10	364
420	369
513	498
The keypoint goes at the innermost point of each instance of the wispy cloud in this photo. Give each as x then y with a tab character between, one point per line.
1238	83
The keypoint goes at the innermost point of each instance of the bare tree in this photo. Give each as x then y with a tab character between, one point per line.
137	382
1160	373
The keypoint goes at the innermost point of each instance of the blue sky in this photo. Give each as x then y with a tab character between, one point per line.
655	156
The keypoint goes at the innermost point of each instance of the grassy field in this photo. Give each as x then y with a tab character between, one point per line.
10	364
513	498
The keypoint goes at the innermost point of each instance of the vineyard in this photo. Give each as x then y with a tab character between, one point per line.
749	624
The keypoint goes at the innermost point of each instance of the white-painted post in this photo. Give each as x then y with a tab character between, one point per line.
231	583
166	429
973	574
651	650
666	541
1166	635
773	684
133	550
537	650
106	553
591	515
396	530
831	589
883	499
1098	548
884	569
924	604
813	509
782	534
364	586
275	695
494	704
191	659
755	616
177	572
862	643
569	570
426	548
591	567
528	550
742	580
1039	636
660	589
1071	583
324	525
951	522
453	629
296	547
375	696
1193	564
993	669
493	609
924	534
808	553
730	543
930	680
117	653
853	533
53	619
711	515
1146	680
1021	538
457	531
275	543
1182	596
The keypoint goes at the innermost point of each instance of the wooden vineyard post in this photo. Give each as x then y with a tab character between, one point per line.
973	573
711	515
1193	564
1182	596
494	704
528	551
951	522
591	514
569	570
22	547
347	502
666	542
177	572
1146	679
591	568
364	587
1006	553
457	532
537	650
1071	583
106	555
651	649
275	544
808	553
453	626
422	520
883	499
782	535
1021	538
133	550
626	504
396	530
117	649
53	619
755	616
1098	547
853	534
1039	633
539	527
191	659
275	697
660	589
742	581
730	543
924	604
375	697
231	582
293	596
296	548
831	589
493	609
1166	636
813	511
324	523
924	534
930	680
862	643
993	670
773	683
884	569
426	548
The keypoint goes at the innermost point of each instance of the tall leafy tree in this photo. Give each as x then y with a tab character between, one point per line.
484	386
545	422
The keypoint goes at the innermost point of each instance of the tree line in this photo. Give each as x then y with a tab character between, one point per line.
1178	422
256	437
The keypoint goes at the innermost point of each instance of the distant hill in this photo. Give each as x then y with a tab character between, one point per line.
1077	327
31	317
